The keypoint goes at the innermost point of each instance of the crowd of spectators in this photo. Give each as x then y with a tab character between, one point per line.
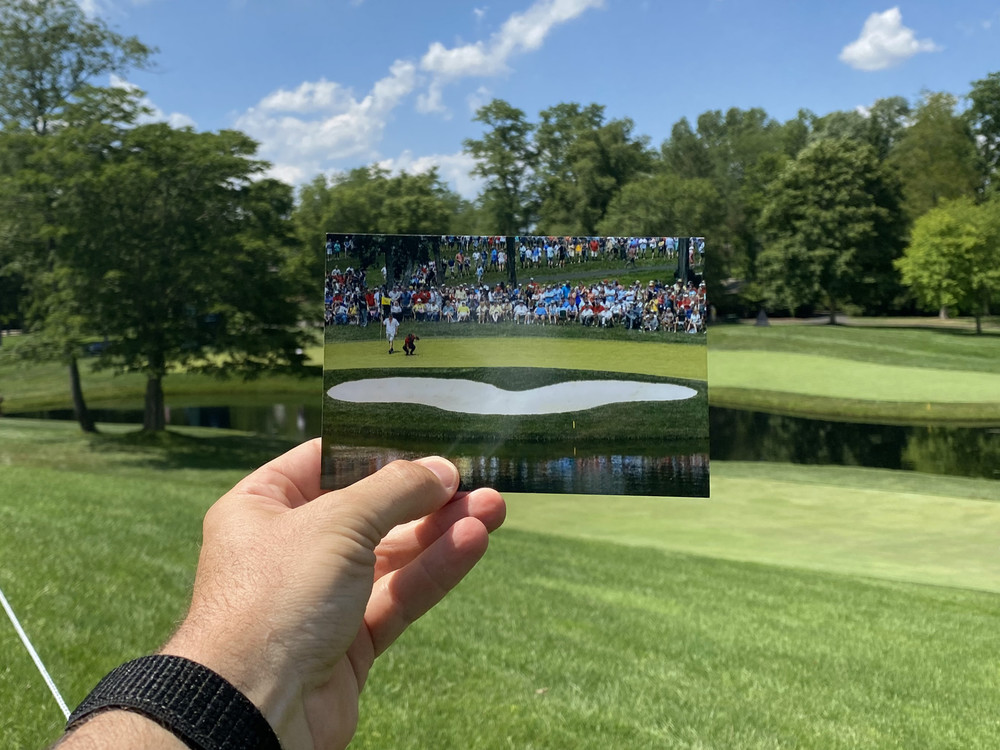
674	307
468	255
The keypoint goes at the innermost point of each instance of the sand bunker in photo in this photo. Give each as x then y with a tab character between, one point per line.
472	397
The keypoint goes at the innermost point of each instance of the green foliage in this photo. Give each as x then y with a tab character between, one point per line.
953	259
936	156
50	50
582	164
505	159
370	200
663	204
740	152
831	228
984	118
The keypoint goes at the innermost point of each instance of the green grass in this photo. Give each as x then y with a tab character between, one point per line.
864	374
438	329
644	358
35	386
906	347
592	622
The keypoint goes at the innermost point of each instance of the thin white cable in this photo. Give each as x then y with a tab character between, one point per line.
34	655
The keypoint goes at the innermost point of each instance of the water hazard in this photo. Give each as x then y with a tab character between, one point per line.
668	469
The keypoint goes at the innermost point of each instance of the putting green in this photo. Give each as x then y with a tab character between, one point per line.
815	375
923	537
669	360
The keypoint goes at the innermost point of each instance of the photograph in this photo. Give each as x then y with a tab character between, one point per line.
540	363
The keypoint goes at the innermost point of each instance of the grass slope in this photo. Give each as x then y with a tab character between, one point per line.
876	374
31	386
583	628
645	358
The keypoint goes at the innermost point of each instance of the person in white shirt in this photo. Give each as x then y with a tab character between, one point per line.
391	326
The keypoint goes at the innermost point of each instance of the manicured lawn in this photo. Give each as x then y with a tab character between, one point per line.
31	386
782	612
941	349
648	358
878	374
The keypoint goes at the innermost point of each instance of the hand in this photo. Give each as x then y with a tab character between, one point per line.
298	591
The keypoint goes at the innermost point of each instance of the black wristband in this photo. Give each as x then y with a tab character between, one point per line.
184	697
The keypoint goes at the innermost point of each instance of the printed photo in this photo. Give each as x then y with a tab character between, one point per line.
544	364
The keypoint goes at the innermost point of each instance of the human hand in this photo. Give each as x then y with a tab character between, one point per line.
299	590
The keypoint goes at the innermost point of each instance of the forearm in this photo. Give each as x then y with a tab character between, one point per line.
117	729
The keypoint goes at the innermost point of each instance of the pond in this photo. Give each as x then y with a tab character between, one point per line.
677	469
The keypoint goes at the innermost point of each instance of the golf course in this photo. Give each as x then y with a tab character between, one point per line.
799	606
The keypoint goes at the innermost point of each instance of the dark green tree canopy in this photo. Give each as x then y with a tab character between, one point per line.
831	227
984	119
505	159
935	156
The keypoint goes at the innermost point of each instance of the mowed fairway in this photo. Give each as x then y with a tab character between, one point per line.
780	613
857	373
837	378
649	358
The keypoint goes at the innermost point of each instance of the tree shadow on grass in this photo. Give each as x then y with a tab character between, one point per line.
171	449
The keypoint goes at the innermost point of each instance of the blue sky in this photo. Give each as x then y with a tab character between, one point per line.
326	85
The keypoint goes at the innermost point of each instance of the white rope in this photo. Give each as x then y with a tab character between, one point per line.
34	655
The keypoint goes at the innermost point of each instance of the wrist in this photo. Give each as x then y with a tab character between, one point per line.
277	696
189	700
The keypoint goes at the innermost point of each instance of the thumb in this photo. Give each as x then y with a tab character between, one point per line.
398	493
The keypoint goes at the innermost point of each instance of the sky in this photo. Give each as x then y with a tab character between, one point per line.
328	85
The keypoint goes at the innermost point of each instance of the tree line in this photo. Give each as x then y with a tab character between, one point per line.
163	248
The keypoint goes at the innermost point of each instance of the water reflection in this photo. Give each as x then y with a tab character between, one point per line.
735	436
758	436
682	471
296	421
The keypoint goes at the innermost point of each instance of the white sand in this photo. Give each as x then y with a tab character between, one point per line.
471	397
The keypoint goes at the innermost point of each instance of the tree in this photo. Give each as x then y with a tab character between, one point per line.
369	200
558	131
984	119
49	53
49	50
582	163
506	160
740	151
174	247
831	226
935	156
953	258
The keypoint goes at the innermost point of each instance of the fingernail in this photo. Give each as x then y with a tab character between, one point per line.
444	469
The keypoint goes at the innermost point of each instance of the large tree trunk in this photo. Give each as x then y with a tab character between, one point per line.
511	250
80	410
153	419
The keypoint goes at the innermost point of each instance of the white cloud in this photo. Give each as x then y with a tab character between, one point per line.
319	121
884	42
452	168
174	119
478	98
522	32
430	101
309	129
480	12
